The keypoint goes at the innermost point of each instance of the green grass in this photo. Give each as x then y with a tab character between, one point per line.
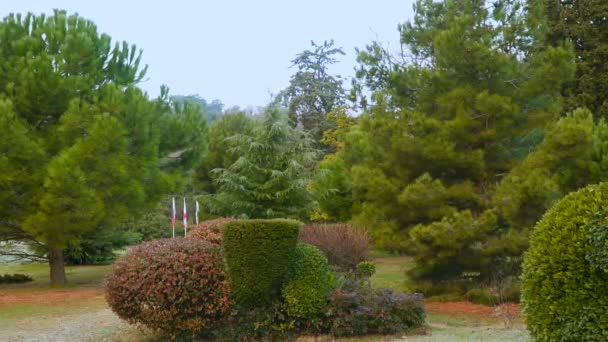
75	275
390	272
91	318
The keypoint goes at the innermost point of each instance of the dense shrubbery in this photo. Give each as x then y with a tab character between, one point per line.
307	283
343	245
209	230
257	256
357	309
15	278
177	286
564	277
282	288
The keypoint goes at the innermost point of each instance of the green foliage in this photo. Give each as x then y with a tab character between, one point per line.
564	295
447	248
257	256
98	247
82	145
218	156
177	286
366	269
582	23
470	96
307	283
364	311
312	92
212	110
15	278
572	154
270	176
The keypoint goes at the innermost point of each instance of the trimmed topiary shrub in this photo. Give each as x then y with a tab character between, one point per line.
257	256
177	286
307	285
343	245
209	230
564	292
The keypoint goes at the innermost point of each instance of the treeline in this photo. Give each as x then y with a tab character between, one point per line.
449	151
492	113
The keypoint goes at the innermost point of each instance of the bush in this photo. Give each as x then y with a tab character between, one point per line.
177	286
564	292
343	245
257	255
15	278
269	323
366	269
374	311
209	230
307	285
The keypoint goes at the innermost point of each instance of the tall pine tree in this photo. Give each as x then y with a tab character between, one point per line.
80	147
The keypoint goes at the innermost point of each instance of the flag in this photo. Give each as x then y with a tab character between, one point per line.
185	218
197	209
173	215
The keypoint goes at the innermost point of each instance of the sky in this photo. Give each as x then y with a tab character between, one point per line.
237	51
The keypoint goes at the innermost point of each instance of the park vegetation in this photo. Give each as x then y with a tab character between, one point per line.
465	150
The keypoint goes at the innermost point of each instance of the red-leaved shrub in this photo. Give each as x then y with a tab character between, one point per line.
343	245
209	230
177	286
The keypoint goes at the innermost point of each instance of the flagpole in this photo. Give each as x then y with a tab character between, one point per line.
197	213
173	214
185	218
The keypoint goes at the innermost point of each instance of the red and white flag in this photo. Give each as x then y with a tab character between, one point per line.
173	215
185	218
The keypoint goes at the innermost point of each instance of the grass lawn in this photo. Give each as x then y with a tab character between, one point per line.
35	312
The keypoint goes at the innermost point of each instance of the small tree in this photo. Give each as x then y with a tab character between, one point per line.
270	177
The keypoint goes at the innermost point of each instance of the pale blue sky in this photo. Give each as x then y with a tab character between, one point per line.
237	51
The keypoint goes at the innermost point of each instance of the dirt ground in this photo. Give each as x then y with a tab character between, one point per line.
48	296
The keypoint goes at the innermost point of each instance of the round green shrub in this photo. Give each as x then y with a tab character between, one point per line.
177	286
366	269
307	285
565	294
257	256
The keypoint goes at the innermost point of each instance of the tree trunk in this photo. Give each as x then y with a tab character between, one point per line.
57	267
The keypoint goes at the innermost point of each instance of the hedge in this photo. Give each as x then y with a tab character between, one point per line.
307	286
565	295
257	256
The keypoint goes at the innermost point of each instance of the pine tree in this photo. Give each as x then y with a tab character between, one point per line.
269	178
444	123
81	144
583	23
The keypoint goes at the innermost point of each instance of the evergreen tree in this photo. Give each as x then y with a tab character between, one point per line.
444	124
584	23
218	155
269	178
313	92
81	146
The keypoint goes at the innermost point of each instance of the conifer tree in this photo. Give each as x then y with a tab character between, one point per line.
81	144
270	176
